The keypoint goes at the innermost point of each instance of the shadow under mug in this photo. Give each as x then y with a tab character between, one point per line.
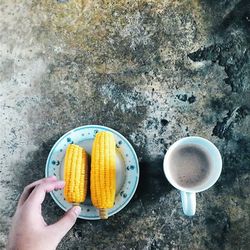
188	195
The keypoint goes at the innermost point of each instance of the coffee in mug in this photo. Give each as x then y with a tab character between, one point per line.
190	165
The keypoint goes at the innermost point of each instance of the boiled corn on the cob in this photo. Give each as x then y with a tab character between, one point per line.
103	173
75	174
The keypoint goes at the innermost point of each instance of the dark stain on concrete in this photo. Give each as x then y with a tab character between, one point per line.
222	129
191	99
238	15
164	122
182	97
226	55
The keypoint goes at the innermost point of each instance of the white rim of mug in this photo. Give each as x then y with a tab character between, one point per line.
193	189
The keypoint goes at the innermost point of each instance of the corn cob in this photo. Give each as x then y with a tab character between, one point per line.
103	173
75	174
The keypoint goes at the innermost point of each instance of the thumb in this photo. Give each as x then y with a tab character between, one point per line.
61	227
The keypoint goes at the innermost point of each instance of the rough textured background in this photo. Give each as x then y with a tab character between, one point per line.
155	70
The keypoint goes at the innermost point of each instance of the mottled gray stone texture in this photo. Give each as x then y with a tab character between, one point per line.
154	70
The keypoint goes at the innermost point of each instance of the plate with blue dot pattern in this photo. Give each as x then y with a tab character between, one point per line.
127	168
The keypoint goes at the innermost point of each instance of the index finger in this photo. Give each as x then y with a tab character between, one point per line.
28	189
37	196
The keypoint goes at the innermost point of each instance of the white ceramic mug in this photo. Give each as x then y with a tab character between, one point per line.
188	195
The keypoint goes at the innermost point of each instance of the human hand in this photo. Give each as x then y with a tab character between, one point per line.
29	230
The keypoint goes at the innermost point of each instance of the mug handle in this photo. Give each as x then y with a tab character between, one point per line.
188	201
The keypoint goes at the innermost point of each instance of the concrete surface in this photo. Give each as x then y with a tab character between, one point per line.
155	70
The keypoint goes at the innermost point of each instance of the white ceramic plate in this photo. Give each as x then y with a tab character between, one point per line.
127	168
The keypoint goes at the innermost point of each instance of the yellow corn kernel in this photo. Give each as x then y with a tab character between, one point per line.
103	173
75	174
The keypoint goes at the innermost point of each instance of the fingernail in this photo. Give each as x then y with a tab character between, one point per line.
60	183
77	210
